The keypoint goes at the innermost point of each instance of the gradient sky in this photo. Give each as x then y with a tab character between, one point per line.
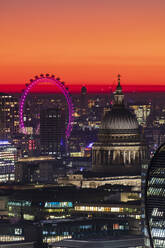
83	41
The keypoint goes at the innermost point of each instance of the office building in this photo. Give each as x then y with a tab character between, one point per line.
155	200
52	132
9	116
41	169
8	158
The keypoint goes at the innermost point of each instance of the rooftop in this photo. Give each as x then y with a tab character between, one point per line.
123	242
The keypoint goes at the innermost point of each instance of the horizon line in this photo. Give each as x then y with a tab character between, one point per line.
76	88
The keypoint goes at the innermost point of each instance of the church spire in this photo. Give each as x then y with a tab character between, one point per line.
118	94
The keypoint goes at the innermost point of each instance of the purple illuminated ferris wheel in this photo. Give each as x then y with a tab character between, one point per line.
49	79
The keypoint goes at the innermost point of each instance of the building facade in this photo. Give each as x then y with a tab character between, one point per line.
8	158
9	116
52	131
155	200
41	169
69	212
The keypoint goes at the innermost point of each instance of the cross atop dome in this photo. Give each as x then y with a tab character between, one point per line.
118	88
118	94
118	79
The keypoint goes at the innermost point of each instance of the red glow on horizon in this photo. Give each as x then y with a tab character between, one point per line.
101	89
85	42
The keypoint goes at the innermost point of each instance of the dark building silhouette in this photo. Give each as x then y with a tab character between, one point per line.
52	132
83	103
83	97
155	200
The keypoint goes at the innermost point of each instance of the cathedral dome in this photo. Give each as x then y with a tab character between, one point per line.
119	119
120	148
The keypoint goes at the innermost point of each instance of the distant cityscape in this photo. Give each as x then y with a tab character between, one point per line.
73	168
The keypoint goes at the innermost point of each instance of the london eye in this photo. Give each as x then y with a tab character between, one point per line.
51	79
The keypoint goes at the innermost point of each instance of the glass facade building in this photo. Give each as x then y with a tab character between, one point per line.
155	199
52	132
8	157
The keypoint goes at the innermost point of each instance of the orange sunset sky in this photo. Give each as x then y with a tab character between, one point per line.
82	41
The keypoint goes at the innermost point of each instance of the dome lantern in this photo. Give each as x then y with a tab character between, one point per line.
118	94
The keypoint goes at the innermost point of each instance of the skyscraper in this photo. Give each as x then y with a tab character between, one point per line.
52	131
8	157
83	103
9	117
155	199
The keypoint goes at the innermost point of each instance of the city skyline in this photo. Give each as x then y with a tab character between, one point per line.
82	117
83	42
